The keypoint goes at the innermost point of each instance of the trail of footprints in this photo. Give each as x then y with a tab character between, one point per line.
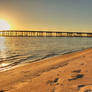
76	74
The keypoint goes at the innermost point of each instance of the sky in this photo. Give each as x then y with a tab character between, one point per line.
48	15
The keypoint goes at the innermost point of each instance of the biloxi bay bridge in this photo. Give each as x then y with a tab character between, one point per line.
15	33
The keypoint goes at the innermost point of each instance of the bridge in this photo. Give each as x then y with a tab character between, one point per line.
14	33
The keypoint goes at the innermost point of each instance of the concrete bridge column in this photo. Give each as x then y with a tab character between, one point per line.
33	33
60	34
69	34
89	34
49	34
57	34
84	34
53	33
64	34
40	34
0	33
44	33
79	34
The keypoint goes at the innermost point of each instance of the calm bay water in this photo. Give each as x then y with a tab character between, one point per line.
18	50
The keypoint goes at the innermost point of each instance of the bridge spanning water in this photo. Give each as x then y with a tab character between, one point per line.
13	33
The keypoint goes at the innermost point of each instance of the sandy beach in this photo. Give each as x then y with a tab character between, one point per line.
67	73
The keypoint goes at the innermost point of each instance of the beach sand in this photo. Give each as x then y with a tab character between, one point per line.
67	73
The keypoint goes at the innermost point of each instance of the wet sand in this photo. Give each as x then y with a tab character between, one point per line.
67	73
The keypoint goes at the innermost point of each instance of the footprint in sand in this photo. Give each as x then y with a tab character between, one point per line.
76	75
3	90
76	71
51	82
87	88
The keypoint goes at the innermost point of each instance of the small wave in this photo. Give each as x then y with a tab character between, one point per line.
49	55
16	62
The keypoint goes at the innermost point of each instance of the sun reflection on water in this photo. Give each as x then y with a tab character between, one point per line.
4	64
2	47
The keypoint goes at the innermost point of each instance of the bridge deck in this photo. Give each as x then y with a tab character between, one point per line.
43	33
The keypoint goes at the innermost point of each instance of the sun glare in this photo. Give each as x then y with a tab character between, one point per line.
4	25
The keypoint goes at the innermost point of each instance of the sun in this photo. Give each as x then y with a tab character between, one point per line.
4	25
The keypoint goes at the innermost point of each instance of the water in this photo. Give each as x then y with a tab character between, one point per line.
18	50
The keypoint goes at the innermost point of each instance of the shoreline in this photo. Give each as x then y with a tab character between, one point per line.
65	73
9	67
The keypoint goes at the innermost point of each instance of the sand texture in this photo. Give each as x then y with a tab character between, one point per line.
67	73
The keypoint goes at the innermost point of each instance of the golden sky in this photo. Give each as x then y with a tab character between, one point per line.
50	15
